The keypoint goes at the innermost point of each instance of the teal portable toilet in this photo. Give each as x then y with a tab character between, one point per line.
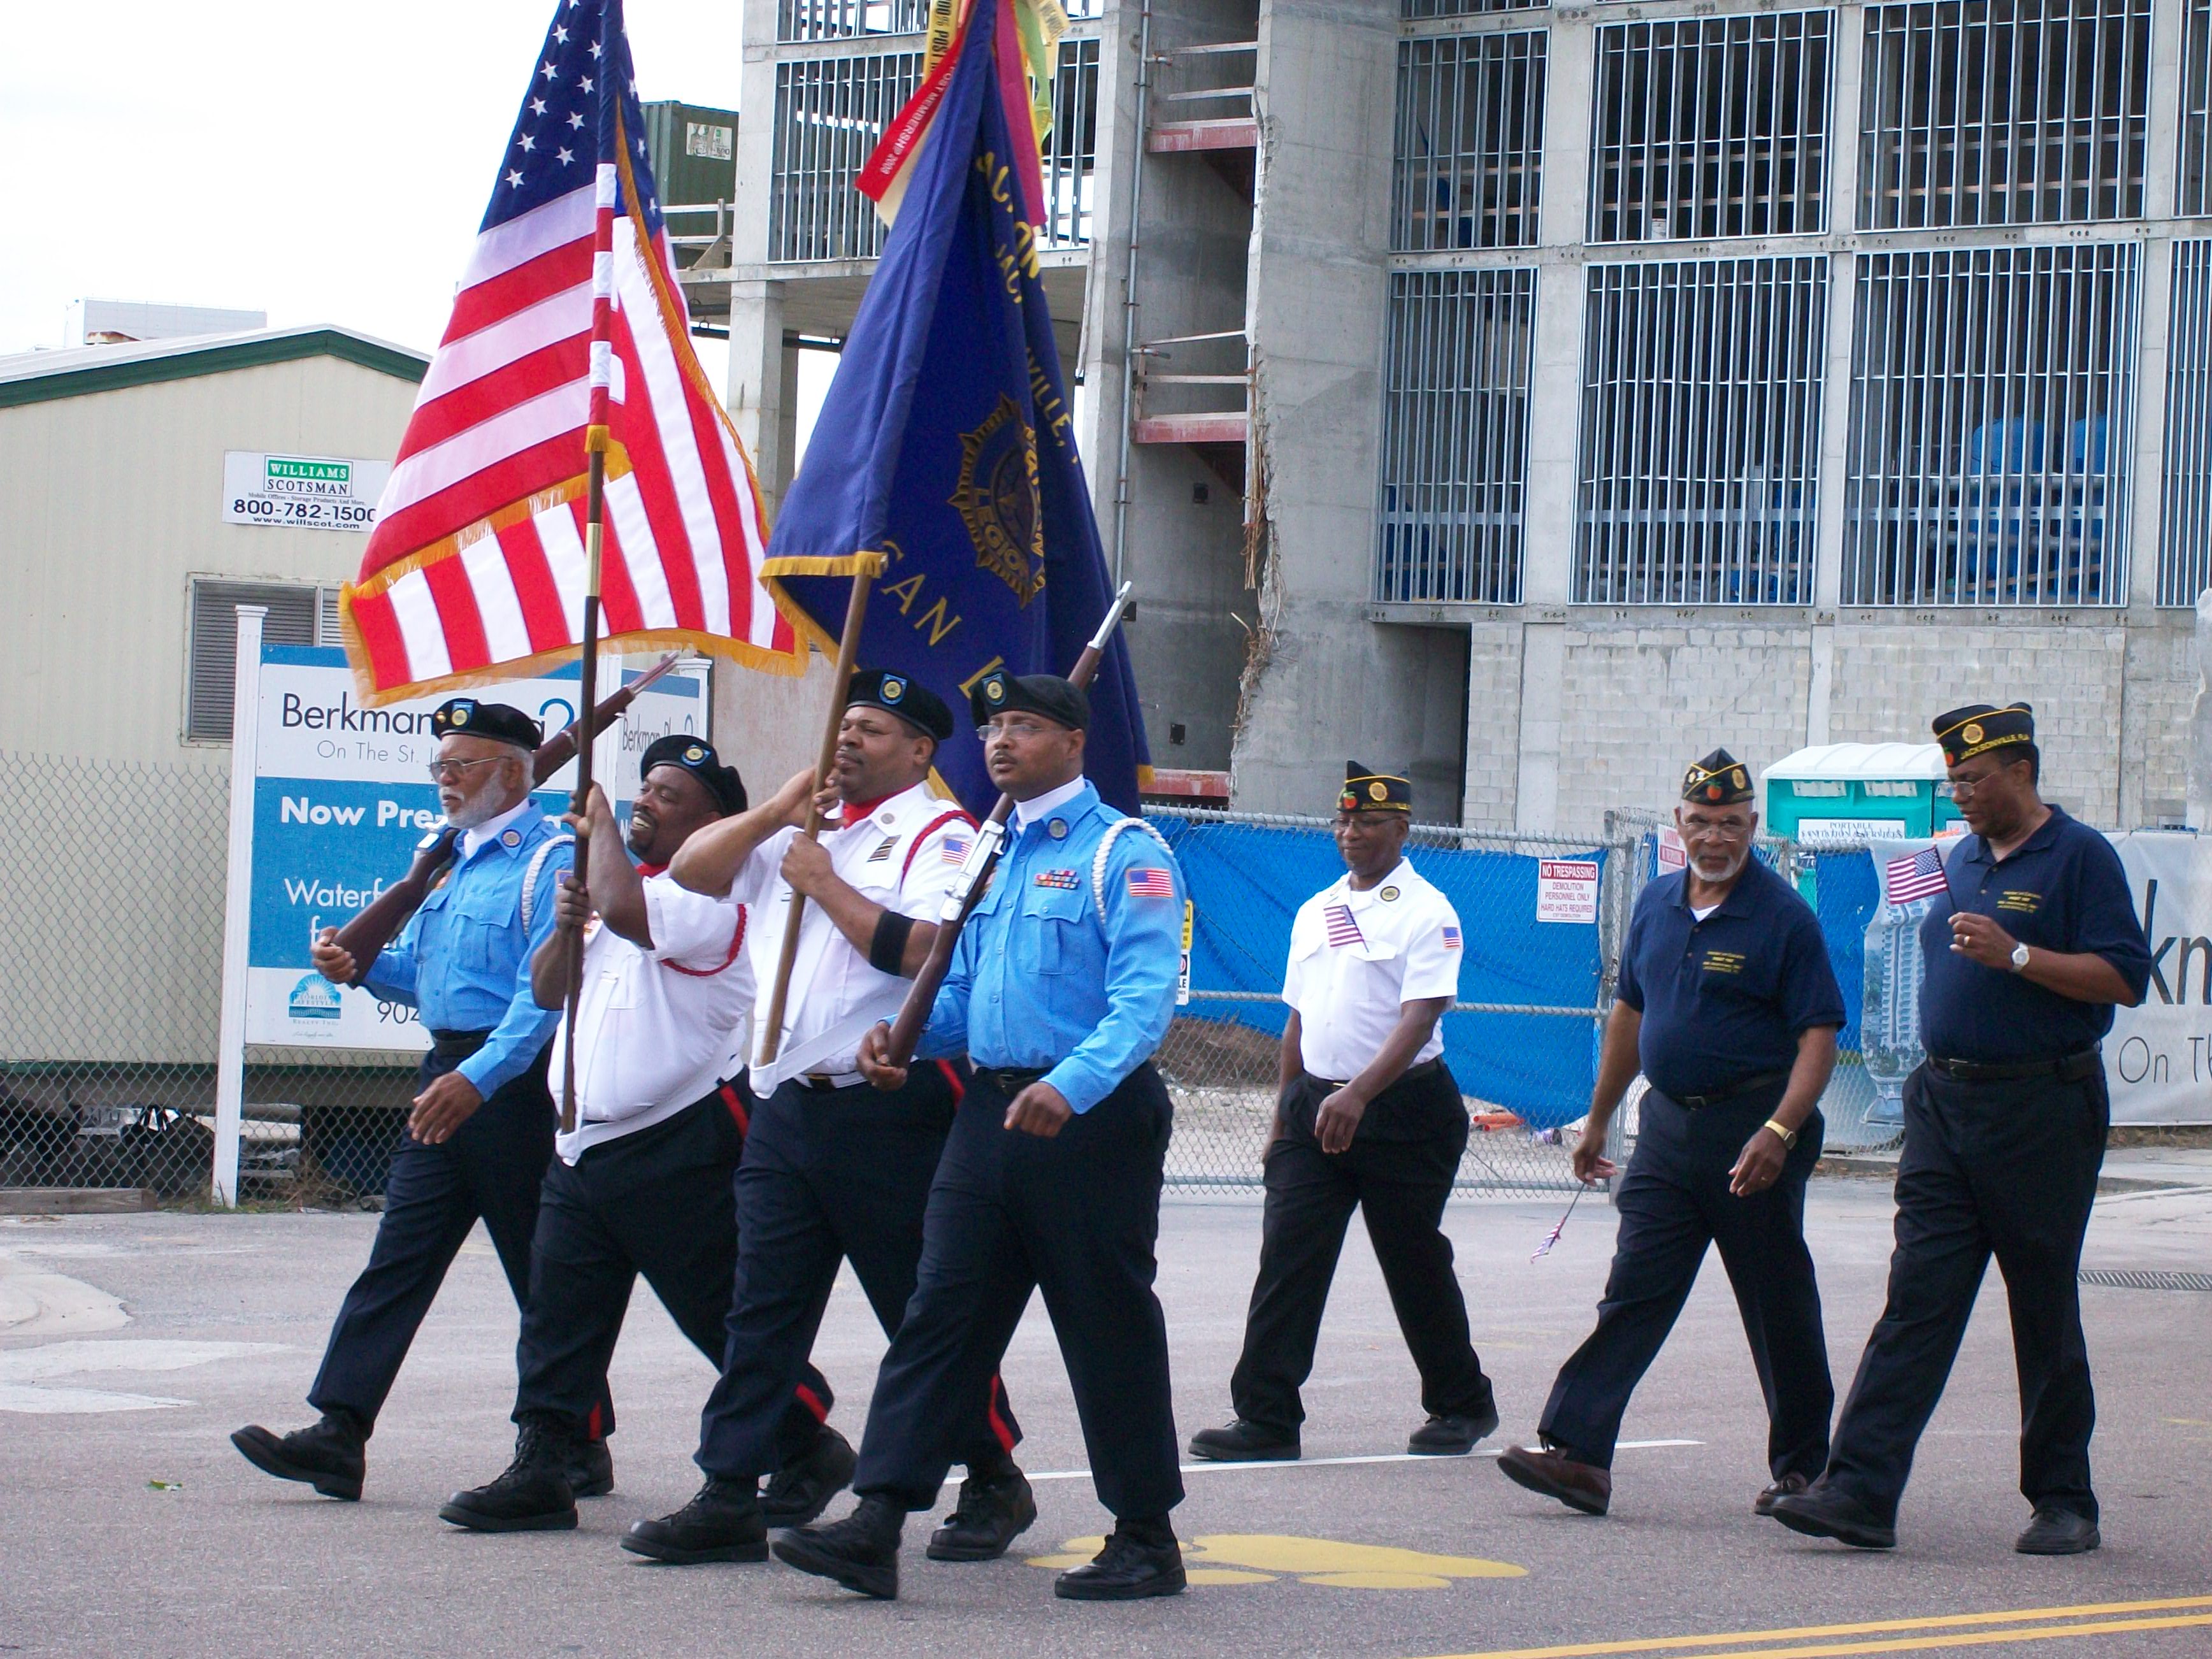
1842	794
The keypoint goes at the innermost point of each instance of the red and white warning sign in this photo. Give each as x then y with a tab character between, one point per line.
1566	890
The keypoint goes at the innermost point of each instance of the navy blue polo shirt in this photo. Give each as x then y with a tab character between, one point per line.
2060	890
1726	998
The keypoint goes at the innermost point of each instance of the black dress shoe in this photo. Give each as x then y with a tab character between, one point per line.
1583	1486
860	1552
1787	1486
590	1469
722	1523
328	1456
1128	1568
993	1511
2055	1531
1453	1435
1244	1442
533	1494
802	1488
1821	1511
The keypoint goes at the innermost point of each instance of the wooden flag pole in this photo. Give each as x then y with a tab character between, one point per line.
595	442
848	646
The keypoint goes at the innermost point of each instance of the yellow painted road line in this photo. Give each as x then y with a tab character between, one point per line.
1874	1627
1979	1638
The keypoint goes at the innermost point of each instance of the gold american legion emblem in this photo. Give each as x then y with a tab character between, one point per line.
1972	732
998	500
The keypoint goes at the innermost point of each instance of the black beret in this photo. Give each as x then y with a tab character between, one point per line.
1000	693
467	718
898	694
1979	728
701	761
1366	790
1719	780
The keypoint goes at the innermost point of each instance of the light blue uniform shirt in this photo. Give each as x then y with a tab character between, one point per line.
1036	984
464	959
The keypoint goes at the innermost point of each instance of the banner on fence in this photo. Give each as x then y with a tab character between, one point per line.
340	799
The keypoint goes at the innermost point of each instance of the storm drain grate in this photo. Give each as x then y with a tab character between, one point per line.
2138	1278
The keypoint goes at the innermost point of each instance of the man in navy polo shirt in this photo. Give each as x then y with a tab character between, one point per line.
2004	1134
1727	1003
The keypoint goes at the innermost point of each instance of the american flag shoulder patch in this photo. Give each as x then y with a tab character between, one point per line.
1451	936
1343	926
1151	884
956	848
884	850
1066	881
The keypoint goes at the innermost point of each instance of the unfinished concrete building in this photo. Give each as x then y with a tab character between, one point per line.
1533	396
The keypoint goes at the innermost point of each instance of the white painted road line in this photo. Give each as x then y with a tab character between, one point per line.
1339	1462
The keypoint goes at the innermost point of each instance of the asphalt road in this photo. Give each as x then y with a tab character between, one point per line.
134	1344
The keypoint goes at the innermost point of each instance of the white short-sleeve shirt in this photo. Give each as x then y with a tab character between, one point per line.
905	854
1356	958
657	1027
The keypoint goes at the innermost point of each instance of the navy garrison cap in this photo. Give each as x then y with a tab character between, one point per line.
464	717
1719	780
897	694
1366	790
700	759
1979	728
1047	695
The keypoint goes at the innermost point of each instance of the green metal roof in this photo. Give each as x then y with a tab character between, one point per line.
40	377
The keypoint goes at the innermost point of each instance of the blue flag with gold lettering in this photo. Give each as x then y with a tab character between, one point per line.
947	444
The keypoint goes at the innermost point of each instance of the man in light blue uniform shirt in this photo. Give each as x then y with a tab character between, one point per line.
480	1133
1062	985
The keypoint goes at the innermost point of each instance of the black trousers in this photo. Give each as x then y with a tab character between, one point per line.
657	1202
1673	1199
490	1169
2007	1170
1398	1172
1075	1216
831	1175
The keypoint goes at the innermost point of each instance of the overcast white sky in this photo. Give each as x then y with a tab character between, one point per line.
318	159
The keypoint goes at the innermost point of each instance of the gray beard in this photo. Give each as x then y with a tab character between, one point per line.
480	808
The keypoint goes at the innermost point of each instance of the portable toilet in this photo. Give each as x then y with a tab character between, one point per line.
1842	794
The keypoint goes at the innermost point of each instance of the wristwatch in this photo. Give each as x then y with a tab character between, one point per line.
2020	959
1789	1136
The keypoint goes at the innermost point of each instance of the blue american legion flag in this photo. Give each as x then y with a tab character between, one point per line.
1916	876
946	444
1343	927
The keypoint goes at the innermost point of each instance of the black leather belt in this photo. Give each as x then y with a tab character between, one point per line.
1741	1086
457	1045
1411	1075
2076	1067
1008	1080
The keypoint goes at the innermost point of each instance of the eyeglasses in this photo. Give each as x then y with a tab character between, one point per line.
441	770
1725	830
1961	787
1012	728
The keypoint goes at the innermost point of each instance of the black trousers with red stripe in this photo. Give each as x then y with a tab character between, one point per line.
658	1202
832	1175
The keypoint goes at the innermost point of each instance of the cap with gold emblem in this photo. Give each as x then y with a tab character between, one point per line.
1366	790
1000	693
700	759
897	694
1979	726
464	717
1719	780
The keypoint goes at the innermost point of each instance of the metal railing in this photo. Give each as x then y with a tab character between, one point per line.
1468	169
2184	544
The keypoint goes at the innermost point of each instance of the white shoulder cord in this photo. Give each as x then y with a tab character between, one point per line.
545	850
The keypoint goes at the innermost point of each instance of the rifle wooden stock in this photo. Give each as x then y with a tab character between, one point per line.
921	994
367	934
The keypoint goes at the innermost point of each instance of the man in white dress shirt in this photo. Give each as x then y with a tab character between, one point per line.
643	1183
1367	1116
834	1168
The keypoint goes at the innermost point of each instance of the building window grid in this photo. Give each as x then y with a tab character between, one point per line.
1991	419
1458	363
1470	141
2003	112
1422	11
1698	481
1711	127
1071	148
2185	551
2196	191
801	20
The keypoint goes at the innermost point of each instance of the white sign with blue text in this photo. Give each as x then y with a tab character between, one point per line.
341	796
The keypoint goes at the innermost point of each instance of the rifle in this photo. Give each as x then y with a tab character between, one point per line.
975	870
369	932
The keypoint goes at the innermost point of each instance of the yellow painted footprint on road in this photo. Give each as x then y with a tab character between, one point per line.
1259	1557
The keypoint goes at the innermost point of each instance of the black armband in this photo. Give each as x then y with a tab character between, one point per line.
887	949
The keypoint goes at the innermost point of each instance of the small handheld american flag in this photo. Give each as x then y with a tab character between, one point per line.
1916	876
1552	1237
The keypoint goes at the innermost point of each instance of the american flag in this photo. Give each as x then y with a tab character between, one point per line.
1451	936
569	313
1151	884
1343	928
956	848
1916	877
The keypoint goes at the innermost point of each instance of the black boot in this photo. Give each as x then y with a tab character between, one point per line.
860	1552
1140	1558
802	1488
1452	1434
1245	1442
996	1507
590	1469
722	1523
531	1495
329	1456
